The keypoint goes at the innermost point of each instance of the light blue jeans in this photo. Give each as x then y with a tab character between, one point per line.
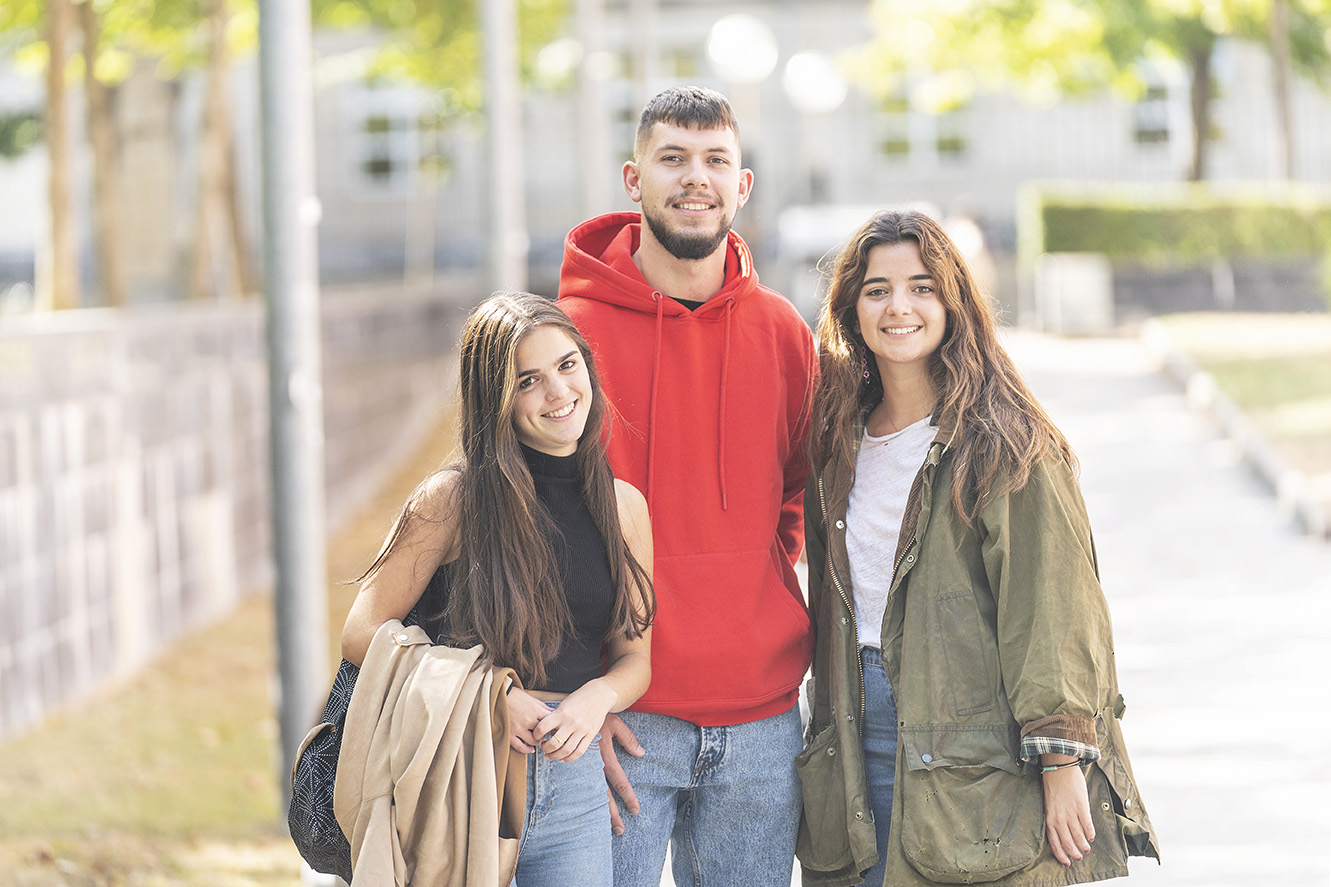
880	751
566	837
725	799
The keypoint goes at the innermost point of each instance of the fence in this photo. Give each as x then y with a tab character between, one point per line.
134	487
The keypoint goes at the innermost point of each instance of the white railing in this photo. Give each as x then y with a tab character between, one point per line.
134	488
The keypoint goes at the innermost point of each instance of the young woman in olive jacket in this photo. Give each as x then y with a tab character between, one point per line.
965	702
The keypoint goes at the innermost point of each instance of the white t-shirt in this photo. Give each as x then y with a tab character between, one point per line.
884	471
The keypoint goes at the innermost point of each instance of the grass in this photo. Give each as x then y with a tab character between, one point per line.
1266	384
1277	369
172	777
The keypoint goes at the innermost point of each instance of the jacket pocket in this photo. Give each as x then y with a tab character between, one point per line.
824	839
968	814
965	647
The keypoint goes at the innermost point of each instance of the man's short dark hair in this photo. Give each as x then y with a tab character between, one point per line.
693	107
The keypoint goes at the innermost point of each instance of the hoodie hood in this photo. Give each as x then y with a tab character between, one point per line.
599	265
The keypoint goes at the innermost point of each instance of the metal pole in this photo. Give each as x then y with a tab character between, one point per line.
597	174
291	212
647	49
508	222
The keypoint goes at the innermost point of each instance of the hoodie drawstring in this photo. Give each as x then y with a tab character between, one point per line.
721	416
651	405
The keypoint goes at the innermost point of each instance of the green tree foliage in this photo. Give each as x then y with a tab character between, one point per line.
1045	49
19	131
438	43
172	33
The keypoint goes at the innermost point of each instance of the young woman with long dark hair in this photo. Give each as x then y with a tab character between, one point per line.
534	551
965	702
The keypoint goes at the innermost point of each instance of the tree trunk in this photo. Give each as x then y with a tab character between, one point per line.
1200	61
61	286
246	276
1280	64
203	280
105	163
221	263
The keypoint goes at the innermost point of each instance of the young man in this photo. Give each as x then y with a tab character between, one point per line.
711	378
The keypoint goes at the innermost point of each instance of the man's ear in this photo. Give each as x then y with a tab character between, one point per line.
745	185
632	181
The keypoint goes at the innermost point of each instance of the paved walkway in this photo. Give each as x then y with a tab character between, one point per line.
1222	619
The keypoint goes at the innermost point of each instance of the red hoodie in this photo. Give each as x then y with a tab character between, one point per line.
711	422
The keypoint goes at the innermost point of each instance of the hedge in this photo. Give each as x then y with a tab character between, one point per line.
1177	225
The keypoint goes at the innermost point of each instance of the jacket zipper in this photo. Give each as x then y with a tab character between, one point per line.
901	554
912	502
854	627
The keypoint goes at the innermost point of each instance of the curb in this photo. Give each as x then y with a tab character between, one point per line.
1289	485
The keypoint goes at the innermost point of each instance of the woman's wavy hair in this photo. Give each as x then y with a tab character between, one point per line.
504	589
1001	432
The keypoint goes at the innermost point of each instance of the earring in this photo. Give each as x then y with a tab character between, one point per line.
864	364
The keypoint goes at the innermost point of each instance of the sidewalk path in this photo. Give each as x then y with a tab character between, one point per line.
1222	622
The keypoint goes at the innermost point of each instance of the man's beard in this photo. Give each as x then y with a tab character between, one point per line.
689	246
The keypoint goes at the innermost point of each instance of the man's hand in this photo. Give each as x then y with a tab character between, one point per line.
612	731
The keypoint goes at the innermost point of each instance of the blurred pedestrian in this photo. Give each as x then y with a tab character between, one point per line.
965	702
541	557
711	376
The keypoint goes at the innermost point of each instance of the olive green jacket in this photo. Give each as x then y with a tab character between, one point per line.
991	633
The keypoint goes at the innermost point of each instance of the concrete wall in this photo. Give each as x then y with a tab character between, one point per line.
134	488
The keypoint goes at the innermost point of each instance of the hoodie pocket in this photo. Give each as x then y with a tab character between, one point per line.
968	814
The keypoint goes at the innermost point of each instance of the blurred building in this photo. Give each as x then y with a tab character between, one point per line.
402	180
824	153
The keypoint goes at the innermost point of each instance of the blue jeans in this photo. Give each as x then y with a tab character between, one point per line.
880	751
726	800
566	837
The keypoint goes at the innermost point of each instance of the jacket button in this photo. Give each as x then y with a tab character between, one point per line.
926	758
840	525
850	717
859	814
1127	803
1104	805
910	558
403	637
831	749
845	620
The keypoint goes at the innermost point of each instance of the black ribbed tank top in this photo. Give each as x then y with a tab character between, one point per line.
584	569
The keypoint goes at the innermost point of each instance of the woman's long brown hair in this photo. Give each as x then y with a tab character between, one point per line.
504	590
1001	431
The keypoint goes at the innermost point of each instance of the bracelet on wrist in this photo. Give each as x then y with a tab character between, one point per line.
1053	767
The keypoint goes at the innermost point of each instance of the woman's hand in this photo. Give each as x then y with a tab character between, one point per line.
524	715
1067	810
569	729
